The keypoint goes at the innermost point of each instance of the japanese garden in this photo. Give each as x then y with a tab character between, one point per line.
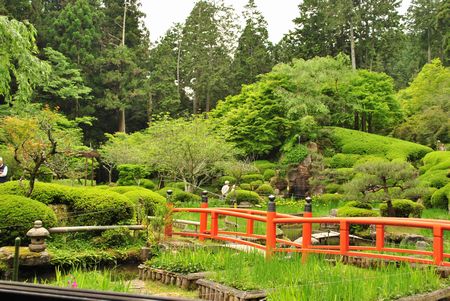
214	163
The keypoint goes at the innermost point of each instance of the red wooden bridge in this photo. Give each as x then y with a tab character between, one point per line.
209	229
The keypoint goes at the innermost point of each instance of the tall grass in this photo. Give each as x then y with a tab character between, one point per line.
96	280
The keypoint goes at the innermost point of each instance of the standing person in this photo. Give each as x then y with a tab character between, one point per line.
3	171
225	189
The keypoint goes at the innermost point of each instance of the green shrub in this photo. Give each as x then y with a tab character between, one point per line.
179	185
243	196
435	178
145	199
328	198
252	177
361	143
339	175
344	160
125	189
221	181
333	188
263	165
245	186
268	174
45	174
100	207
179	195
441	198
295	155
255	184
90	206
358	204
347	211
403	208
436	160
131	174
116	237
264	189
149	184
17	215
419	193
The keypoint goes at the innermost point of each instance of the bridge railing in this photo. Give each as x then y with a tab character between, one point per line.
209	229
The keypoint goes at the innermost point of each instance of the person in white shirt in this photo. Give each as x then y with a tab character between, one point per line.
225	189
3	171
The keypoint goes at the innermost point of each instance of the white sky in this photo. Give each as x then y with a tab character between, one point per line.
162	14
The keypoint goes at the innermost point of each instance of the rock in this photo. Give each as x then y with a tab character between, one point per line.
422	245
412	239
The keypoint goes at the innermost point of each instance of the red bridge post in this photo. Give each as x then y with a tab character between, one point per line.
438	246
271	231
203	215
344	233
380	237
307	229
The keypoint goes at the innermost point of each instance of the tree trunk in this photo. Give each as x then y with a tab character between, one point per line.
352	46
356	121
195	105
124	21
178	68
208	101
122	124
363	121
369	123
429	45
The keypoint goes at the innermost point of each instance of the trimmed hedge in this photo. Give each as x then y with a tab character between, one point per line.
361	143
179	185
436	160
403	208
441	198
243	196
252	177
358	204
328	198
333	188
131	174
149	184
263	165
125	189
179	195
221	181
90	206
146	199
264	189
245	186
347	211
435	178
268	174
343	160
17	215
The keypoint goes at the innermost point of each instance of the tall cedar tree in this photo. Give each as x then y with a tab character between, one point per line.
253	54
207	42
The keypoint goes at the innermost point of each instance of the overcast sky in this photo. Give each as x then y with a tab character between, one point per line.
162	14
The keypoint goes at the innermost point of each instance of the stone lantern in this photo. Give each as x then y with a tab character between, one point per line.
37	234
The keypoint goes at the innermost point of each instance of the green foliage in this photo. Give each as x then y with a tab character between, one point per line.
344	160
268	174
333	188
221	180
125	189
252	177
435	169
436	160
243	196
348	211
145	201
441	198
264	189
328	198
403	208
178	185
20	69
358	204
245	186
355	142
435	178
18	214
148	184
262	165
131	174
295	155
179	195
116	237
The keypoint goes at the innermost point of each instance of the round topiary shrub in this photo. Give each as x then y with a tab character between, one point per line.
441	198
125	189
265	189
268	174
146	183
43	192
179	195
252	177
263	165
243	196
344	160
333	188
255	184
358	204
178	185
347	211
245	186
295	155
145	200
330	198
131	174
17	215
403	208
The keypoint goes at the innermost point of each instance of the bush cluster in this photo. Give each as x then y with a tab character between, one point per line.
263	165
131	174
268	174
252	178
17	215
435	178
329	198
179	195
403	208
358	204
295	155
221	181
343	160
348	211
145	200
125	189
441	198
264	189
243	196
